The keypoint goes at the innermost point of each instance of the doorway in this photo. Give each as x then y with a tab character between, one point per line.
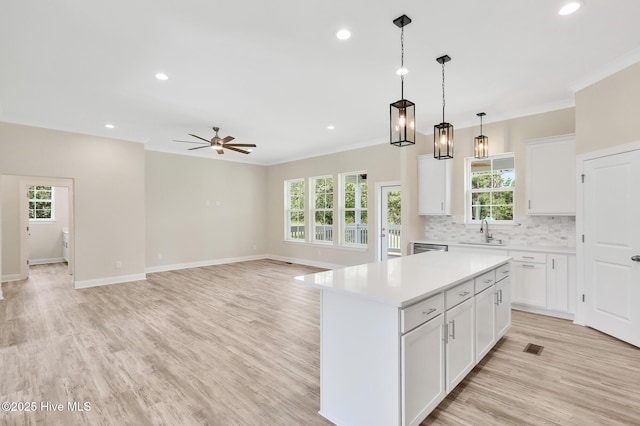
611	267
390	246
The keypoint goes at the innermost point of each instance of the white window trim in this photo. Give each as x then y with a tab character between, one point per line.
467	190
313	210
53	206
342	209
288	211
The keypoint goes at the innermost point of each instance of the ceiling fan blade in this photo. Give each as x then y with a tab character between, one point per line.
195	136
227	139
198	147
237	150
251	145
175	140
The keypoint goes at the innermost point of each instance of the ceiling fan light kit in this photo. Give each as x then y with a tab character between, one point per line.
402	113
220	144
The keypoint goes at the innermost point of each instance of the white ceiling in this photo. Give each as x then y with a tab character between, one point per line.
273	73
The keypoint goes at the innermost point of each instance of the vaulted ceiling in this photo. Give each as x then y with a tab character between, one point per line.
273	72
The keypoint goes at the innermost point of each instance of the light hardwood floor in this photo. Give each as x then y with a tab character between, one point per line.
239	345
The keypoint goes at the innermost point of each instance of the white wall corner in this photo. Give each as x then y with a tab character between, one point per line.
12	277
110	280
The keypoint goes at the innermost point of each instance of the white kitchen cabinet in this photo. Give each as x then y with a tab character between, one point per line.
557	282
503	307
459	348
530	284
550	176
423	386
434	185
485	321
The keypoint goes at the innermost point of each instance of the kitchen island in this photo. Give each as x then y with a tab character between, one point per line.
397	336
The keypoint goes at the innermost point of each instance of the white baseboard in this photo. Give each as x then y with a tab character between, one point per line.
12	277
541	311
200	264
110	280
304	262
46	261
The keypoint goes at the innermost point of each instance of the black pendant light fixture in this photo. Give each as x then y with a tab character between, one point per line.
443	132
402	129
481	143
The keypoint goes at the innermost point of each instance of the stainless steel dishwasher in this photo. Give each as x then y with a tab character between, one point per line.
423	247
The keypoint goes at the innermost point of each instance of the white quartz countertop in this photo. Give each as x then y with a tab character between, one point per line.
506	246
405	280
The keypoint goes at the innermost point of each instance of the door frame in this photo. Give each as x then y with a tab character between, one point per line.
580	316
379	186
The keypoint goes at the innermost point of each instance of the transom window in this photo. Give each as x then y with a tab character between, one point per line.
490	188
41	203
321	189
294	207
354	208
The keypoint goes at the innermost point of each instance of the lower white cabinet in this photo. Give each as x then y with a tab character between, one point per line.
423	376
530	284
485	321
503	307
557	282
459	348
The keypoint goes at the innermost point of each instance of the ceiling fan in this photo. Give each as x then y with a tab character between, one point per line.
220	144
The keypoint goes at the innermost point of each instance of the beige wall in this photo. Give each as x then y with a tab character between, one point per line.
10	212
607	111
200	209
504	136
108	178
382	163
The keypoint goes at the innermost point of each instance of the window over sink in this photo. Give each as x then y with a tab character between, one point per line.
489	187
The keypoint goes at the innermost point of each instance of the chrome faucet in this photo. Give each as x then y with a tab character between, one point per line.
484	227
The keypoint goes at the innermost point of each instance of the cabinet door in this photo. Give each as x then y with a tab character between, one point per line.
551	176
557	283
503	307
529	284
460	354
485	321
422	371
434	186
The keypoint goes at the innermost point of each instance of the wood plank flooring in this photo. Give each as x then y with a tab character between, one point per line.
238	344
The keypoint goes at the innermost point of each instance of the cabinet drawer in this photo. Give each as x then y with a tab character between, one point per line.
485	280
423	311
503	272
458	294
528	256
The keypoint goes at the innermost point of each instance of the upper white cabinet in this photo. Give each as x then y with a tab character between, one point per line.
551	176
434	185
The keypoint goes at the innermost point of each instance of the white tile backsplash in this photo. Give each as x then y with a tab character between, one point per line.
532	230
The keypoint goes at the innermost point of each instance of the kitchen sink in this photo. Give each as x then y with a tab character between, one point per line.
482	243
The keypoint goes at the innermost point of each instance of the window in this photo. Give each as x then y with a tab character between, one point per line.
41	203
294	210
321	189
490	185
354	208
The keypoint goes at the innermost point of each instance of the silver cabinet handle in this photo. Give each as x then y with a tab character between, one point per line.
500	295
505	272
528	266
430	311
527	257
463	294
453	330
382	235
497	298
636	258
488	281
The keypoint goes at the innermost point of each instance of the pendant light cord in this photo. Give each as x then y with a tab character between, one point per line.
443	103
402	62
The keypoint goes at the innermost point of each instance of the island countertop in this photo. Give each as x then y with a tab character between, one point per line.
405	280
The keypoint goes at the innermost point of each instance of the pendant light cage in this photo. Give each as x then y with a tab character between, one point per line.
402	113
481	143
443	132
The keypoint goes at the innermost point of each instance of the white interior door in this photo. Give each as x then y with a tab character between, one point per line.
612	245
391	228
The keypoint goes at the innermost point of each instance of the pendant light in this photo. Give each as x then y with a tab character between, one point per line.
402	113
443	132
481	143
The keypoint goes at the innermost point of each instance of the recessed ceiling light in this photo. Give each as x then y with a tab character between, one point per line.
343	34
569	8
402	71
162	76
109	126
331	127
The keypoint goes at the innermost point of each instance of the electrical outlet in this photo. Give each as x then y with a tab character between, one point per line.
118	264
